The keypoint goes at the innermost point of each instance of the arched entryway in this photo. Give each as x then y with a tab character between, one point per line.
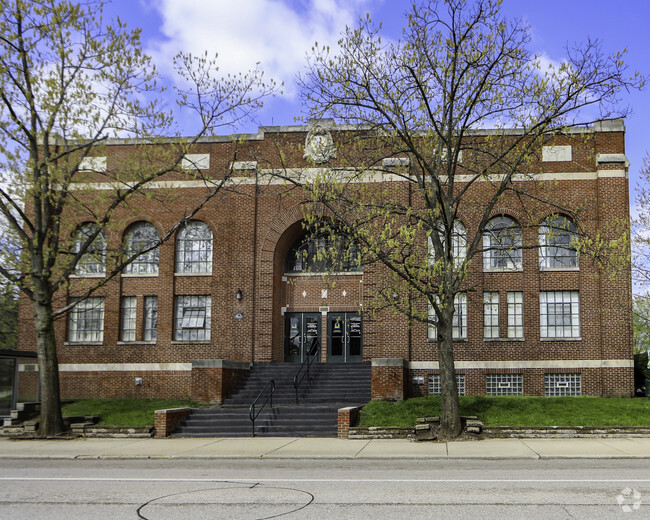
316	311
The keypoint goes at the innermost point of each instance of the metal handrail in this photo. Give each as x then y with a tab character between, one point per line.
313	350
251	410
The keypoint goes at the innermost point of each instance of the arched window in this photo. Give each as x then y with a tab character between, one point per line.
194	248
557	240
93	260
141	238
323	253
458	243
502	244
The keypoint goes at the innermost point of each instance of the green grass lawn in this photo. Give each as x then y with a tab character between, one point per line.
516	411
124	412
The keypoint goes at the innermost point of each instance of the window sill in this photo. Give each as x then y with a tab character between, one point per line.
558	269
192	274
136	343
202	342
82	343
503	339
341	273
139	275
98	275
514	270
455	340
561	339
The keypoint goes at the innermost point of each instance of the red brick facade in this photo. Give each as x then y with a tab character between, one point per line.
254	226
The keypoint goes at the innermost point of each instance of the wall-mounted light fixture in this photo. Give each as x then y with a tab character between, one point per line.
239	294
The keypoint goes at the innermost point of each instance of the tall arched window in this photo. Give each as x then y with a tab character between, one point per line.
194	248
141	237
458	243
93	261
502	244
557	241
323	253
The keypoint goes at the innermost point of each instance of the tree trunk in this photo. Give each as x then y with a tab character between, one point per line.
51	418
450	426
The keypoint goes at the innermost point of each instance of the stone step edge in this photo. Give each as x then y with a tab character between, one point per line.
505	432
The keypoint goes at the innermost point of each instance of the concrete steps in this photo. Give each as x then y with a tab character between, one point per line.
332	386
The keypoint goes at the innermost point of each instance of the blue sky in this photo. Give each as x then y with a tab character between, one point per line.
279	33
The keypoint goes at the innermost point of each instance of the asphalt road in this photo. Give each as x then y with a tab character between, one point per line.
317	489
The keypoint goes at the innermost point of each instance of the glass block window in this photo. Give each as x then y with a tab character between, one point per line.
515	314
194	248
93	261
434	384
86	321
129	309
559	314
142	236
490	315
193	318
562	384
459	324
458	244
557	241
504	384
502	244
150	318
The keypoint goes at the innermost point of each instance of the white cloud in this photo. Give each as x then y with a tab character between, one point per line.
547	63
276	33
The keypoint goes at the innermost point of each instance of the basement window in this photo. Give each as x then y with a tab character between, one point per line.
434	384
556	385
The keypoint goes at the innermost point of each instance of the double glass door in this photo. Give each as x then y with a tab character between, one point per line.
302	336
344	337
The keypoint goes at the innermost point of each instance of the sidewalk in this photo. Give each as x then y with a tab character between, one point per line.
328	448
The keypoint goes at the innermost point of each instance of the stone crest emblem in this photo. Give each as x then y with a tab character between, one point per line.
319	145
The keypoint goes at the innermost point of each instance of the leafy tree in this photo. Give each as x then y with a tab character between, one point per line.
8	318
641	324
68	83
422	102
641	231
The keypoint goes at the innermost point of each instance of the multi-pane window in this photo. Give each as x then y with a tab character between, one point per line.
434	384
502	244
459	323
93	260
490	315
193	317
128	324
515	314
559	314
562	384
194	248
557	241
323	253
432	329
142	239
150	318
458	243
504	384
86	321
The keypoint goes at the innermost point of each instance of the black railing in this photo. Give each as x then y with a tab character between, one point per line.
304	367
269	397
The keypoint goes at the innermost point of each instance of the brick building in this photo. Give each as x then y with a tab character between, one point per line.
231	287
